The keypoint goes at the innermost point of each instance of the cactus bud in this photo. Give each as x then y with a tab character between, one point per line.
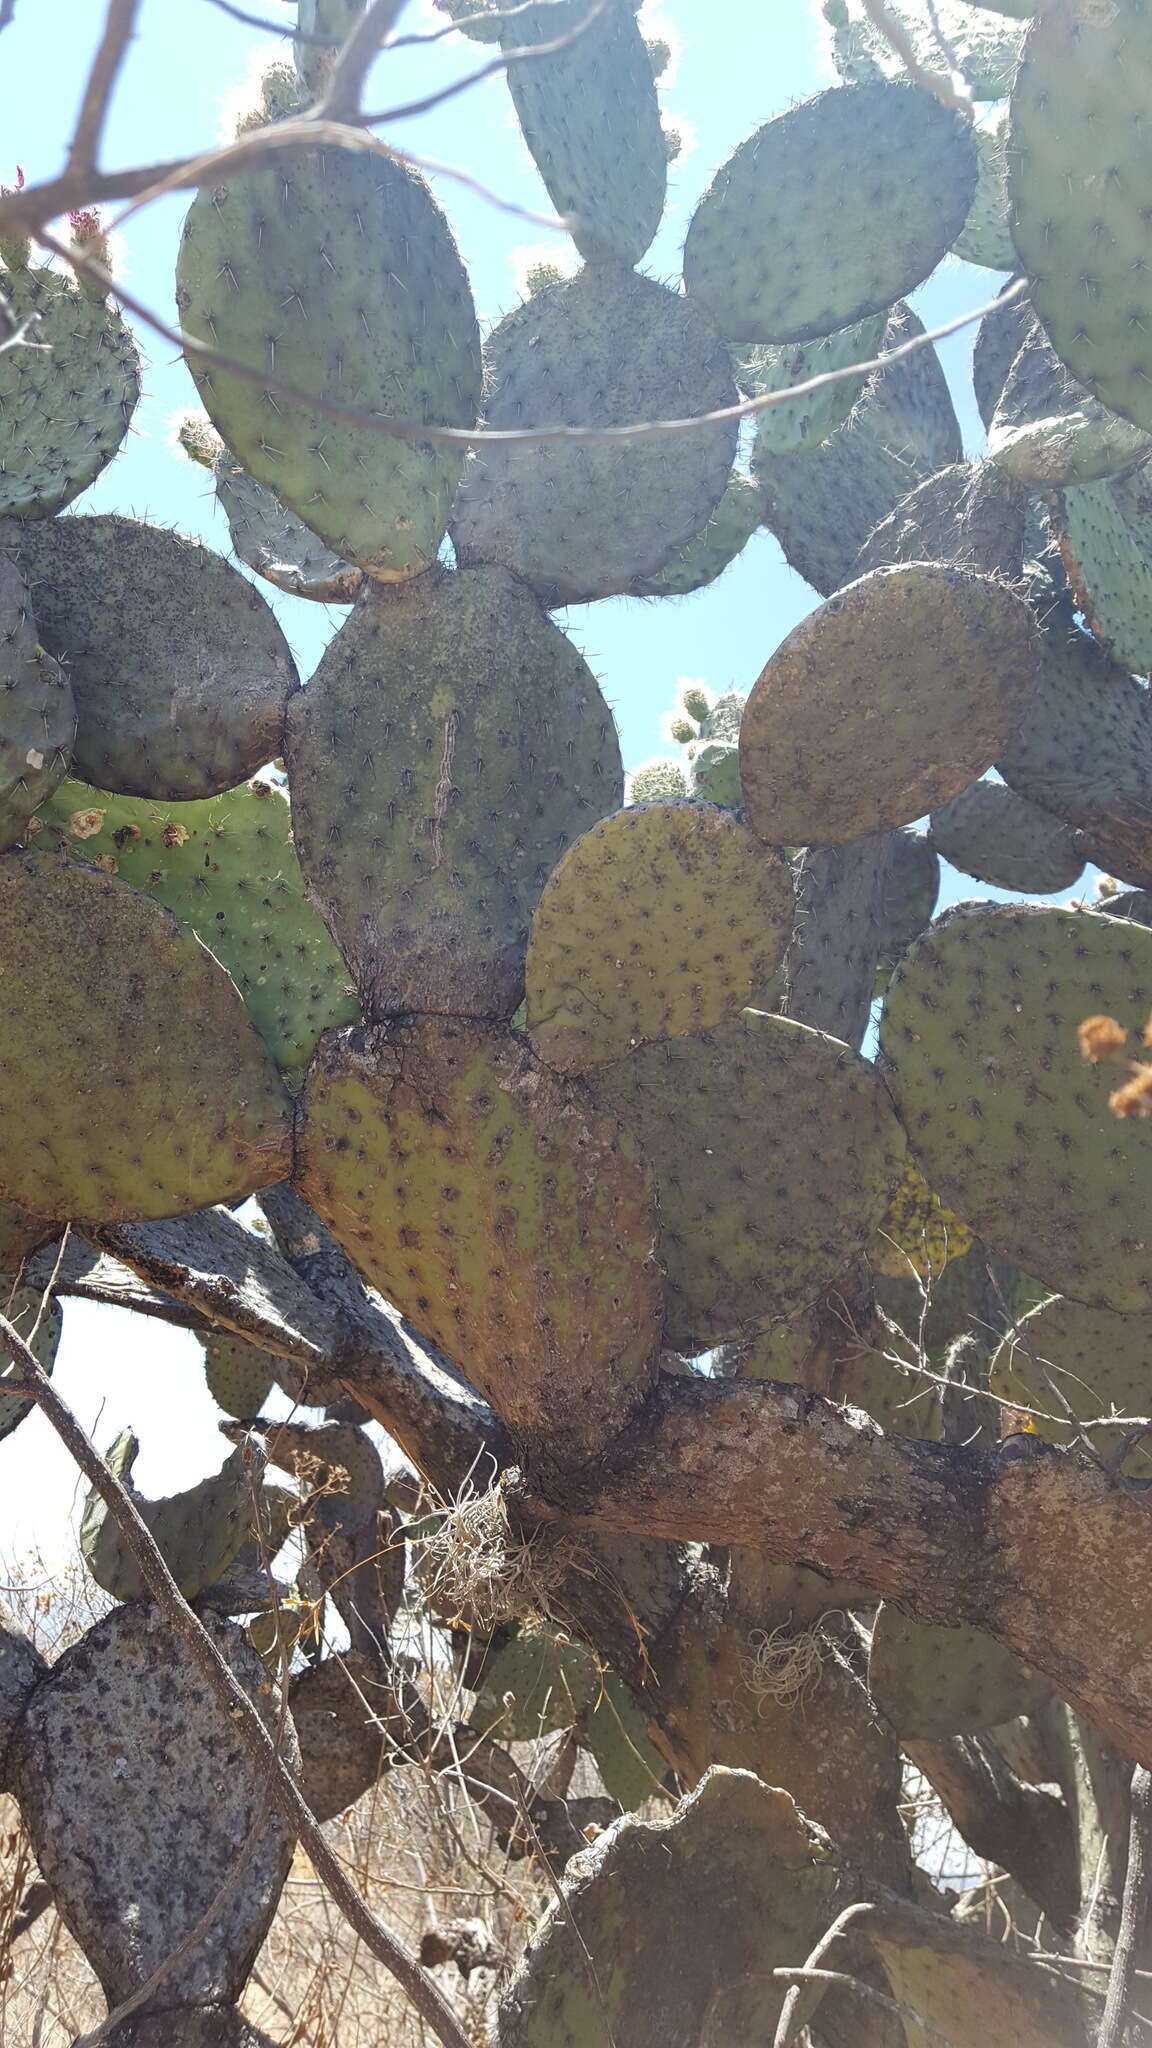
697	702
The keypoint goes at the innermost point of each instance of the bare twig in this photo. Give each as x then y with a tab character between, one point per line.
1133	1912
786	2024
269	28
119	29
341	101
806	1976
233	1699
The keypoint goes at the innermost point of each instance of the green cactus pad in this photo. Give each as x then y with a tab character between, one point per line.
198	1532
716	774
1084	752
272	269
536	1271
631	1766
910	887
1010	1125
1105	538
37	714
806	422
685	1919
171	1102
1047	431
774	1152
1002	839
21	1307
661	921
702	560
934	1682
882	175
985	238
887	700
482	747
271	540
823	503
538	1682
139	1795
65	403
591	118
1083	250
999	339
179	670
237	1374
1066	1361
968	516
587	521
226	867
984	51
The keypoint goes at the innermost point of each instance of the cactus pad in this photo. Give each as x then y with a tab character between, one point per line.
933	1682
999	339
591	118
450	747
237	1375
774	1151
631	1766
887	700
1009	1124
829	972
1002	839
227	868
1104	536
661	921
706	557
684	1919
805	422
198	1533
967	516
139	1798
917	1234
498	1212
271	540
180	672
1075	1363
172	1102
1047	431
882	175
946	33
65	404
21	1307
538	1682
1082	254
911	885
585	521
37	714
272	268
985	237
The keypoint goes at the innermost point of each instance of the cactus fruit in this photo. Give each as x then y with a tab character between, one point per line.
483	748
272	268
227	868
539	1275
1103	534
1063	1364
886	701
40	1329
199	1533
823	503
172	1102
685	1918
537	1682
179	670
700	561
585	521
1008	1124
611	967
65	404
1081	256
37	713
933	1682
985	238
774	1151
139	1798
1002	839
882	175
1047	431
591	118
800	423
917	1234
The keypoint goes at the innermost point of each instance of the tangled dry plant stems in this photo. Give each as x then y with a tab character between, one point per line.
477	1566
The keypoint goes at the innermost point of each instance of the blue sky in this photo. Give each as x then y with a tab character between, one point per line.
734	66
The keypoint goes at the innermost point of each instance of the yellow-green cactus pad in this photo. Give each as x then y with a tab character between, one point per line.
1010	1125
134	1084
508	1220
933	1682
1071	1363
917	1234
661	921
885	702
775	1152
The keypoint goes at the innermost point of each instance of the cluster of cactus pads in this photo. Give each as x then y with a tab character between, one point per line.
553	1098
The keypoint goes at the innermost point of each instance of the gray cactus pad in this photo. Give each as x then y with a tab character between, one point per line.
1009	1124
65	404
805	422
37	713
180	672
882	176
999	339
774	1151
1048	431
1002	839
714	548
1104	532
450	747
829	971
886	701
21	1668
138	1799
188	2026
969	516
271	540
341	1711
583	522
